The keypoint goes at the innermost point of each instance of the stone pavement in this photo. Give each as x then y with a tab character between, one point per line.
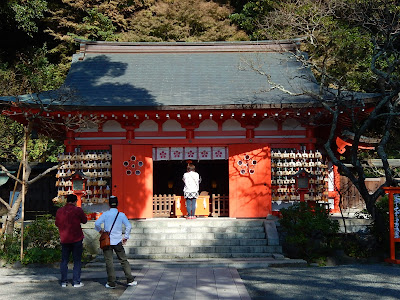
187	283
180	280
195	279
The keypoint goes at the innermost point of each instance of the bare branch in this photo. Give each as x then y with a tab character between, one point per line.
42	175
5	203
9	174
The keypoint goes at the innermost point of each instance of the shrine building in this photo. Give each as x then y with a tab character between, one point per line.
240	111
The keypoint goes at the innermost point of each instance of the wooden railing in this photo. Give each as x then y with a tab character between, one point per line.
163	206
219	205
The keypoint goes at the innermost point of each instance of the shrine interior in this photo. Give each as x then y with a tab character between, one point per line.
167	176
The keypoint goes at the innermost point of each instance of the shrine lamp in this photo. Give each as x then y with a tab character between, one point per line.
78	185
303	182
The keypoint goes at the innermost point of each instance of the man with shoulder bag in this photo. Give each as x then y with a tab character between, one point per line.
112	221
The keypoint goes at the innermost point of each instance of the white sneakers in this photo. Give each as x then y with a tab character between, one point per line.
109	286
80	284
65	284
132	283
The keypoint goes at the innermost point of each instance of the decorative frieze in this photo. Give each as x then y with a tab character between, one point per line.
192	153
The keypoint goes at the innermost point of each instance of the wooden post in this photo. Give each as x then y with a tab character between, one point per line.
26	132
394	238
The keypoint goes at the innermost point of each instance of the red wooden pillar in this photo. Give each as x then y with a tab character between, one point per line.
130	133
190	134
250	132
336	180
310	134
393	232
69	147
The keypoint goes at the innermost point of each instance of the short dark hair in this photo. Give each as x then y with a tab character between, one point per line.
190	167
71	198
113	201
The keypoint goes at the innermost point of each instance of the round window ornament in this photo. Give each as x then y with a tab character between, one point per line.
128	172
242	171
140	164
240	163
137	172
251	171
247	157
125	163
133	158
133	166
253	162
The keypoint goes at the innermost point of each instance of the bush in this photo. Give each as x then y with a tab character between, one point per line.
10	247
358	245
41	255
41	241
42	233
309	233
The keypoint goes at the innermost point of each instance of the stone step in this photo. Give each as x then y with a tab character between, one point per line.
199	255
275	260
198	249
196	255
199	222
203	238
192	242
199	236
200	229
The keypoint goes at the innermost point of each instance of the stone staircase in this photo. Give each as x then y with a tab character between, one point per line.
201	238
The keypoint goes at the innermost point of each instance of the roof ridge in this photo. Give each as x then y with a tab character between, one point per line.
188	47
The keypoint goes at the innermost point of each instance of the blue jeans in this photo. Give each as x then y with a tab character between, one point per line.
76	249
191	206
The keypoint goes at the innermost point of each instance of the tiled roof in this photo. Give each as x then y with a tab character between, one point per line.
128	75
122	75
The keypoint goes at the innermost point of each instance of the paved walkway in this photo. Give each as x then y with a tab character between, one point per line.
194	279
187	283
153	283
175	280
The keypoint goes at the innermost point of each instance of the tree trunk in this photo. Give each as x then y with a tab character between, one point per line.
12	213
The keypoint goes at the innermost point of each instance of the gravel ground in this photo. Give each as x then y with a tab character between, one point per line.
42	282
93	289
376	281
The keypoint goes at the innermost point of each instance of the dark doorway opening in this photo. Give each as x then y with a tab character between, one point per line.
167	176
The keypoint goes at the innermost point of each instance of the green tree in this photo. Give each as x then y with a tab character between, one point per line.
96	26
333	42
22	15
369	34
27	13
251	16
183	20
30	73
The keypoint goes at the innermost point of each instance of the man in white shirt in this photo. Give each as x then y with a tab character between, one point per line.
113	220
